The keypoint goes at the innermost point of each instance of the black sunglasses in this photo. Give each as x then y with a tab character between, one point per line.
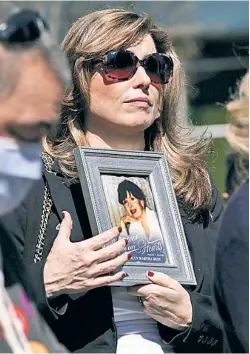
22	27
122	64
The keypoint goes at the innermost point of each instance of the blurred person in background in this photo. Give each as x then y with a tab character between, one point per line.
127	94
232	255
233	174
231	180
33	73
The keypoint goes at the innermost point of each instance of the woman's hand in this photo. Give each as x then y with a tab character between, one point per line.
165	300
127	219
80	266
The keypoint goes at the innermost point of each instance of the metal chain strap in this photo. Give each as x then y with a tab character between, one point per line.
47	205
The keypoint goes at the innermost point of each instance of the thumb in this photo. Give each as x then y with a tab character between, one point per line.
66	226
161	279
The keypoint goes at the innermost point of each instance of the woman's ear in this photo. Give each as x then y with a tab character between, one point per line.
142	203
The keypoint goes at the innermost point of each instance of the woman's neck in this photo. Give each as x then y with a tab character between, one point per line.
115	141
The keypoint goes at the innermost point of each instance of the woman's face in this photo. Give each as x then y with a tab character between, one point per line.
134	207
109	105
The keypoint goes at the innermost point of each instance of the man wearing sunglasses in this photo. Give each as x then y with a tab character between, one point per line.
33	72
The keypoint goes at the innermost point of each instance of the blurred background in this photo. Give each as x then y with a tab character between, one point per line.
211	38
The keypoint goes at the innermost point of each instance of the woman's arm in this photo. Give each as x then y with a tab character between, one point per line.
206	331
189	321
205	334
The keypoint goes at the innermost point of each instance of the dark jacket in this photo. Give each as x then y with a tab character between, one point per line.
232	271
19	288
86	324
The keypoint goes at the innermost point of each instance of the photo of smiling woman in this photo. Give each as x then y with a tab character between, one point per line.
137	216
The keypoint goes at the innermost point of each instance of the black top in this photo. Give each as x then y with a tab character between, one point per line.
87	324
232	271
17	284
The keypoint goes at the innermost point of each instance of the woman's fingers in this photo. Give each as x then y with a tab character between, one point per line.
96	242
112	265
108	279
166	299
144	290
162	280
126	218
110	251
66	226
153	291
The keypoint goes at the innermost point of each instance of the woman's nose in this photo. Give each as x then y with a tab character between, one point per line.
141	78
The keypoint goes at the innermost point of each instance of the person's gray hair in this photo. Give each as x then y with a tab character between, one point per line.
45	45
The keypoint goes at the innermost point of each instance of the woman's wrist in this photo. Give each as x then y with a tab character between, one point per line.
51	291
51	284
182	327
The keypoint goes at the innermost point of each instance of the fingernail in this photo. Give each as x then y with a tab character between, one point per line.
150	274
129	255
124	275
126	241
63	214
119	229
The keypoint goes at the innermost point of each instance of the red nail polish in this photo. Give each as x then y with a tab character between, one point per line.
63	214
129	255
126	241
150	273
119	229
124	275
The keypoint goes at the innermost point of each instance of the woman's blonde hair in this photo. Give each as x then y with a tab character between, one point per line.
89	38
237	131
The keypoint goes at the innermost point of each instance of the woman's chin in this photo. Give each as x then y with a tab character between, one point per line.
137	125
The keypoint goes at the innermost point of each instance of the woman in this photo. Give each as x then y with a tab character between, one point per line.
138	215
232	255
128	84
140	225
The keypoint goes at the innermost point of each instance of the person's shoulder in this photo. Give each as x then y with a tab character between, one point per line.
241	194
238	204
36	189
235	219
28	205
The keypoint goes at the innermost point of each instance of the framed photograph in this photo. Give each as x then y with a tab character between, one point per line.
133	189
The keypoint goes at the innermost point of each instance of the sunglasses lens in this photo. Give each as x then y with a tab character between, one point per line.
159	68
30	32
25	26
120	64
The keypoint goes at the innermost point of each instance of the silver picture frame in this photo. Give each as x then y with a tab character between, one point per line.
94	165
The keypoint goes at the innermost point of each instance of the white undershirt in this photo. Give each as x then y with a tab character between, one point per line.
137	332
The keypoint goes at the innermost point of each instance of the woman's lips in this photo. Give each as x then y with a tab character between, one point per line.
133	211
143	104
140	101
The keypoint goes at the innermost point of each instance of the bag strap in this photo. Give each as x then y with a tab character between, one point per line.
47	205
